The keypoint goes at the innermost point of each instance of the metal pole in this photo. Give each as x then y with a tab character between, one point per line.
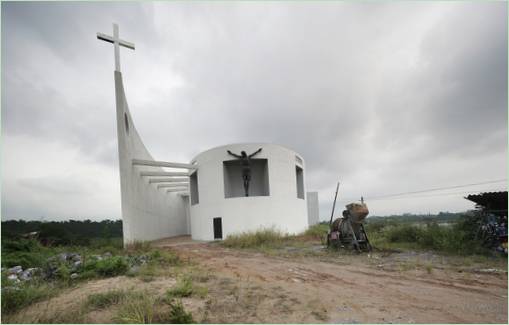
334	205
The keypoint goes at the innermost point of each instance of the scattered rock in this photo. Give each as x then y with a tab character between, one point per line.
63	257
74	276
76	265
75	257
13	277
138	260
107	255
15	270
26	275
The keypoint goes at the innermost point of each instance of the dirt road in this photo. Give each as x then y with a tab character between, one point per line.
305	289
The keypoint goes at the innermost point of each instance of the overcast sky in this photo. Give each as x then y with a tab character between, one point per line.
384	97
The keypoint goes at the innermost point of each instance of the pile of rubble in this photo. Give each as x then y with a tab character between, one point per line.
74	262
17	274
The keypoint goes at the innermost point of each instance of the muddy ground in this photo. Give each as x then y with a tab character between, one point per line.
313	285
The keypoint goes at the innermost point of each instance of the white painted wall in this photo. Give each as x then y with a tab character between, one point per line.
313	208
148	213
281	210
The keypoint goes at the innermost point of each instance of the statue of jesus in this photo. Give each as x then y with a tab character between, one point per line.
245	161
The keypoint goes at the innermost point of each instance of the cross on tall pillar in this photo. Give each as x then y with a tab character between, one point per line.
117	42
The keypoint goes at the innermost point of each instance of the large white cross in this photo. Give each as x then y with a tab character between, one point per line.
117	42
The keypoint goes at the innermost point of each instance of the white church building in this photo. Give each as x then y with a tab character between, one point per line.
207	197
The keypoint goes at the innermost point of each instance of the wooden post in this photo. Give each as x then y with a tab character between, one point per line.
334	205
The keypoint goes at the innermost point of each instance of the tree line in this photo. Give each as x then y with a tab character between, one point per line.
70	232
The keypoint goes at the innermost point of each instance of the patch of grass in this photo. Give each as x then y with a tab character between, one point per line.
69	316
108	267
199	275
136	308
102	245
256	239
143	308
317	232
186	288
429	267
164	258
455	239
25	259
105	299
176	315
24	252
138	246
24	294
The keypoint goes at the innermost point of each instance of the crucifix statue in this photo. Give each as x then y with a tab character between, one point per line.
117	42
245	162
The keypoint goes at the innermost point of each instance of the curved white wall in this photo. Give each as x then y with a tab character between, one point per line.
281	209
148	213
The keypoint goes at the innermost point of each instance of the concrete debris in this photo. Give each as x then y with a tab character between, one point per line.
62	257
29	273
138	260
15	270
75	257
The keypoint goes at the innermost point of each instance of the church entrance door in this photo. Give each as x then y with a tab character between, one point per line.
218	228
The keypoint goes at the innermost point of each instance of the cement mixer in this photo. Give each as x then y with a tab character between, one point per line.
349	230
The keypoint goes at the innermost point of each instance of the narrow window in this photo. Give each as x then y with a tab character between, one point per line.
126	121
193	184
300	182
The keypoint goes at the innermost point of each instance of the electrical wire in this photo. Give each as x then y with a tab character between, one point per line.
435	189
422	196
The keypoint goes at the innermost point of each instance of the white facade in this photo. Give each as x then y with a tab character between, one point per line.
148	213
204	198
280	208
313	208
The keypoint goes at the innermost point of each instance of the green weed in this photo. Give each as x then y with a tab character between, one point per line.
136	308
256	239
108	267
176	315
142	308
24	294
106	299
317	231
185	288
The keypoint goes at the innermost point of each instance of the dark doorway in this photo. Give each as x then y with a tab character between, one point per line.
218	228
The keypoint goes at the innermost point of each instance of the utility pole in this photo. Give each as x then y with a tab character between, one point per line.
334	205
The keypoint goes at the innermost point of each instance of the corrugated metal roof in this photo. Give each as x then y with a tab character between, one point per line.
490	200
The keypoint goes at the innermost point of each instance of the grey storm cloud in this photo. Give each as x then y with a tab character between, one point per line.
385	97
